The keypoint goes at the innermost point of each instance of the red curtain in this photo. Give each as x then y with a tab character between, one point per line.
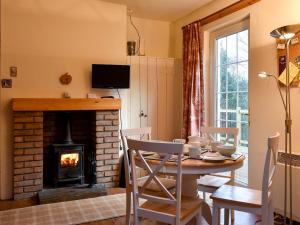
193	86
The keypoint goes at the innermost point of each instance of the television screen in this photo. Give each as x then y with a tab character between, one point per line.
110	76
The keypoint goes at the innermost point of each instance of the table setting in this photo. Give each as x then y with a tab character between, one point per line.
201	148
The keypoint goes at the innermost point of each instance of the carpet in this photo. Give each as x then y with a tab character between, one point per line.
67	213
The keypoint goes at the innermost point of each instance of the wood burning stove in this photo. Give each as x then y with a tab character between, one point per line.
69	163
68	159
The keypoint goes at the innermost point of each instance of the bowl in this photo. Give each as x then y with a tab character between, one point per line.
226	150
203	141
162	155
194	152
215	144
193	139
198	141
195	144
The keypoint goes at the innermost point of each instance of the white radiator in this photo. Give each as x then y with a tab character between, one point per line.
278	189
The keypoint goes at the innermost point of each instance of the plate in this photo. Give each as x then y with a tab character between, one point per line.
214	158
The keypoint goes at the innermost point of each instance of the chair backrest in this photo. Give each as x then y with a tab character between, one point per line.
229	133
133	133
167	149
269	167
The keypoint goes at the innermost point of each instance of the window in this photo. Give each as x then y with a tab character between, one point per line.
231	85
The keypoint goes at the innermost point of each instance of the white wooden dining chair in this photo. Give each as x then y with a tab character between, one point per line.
140	134
210	183
250	200
161	206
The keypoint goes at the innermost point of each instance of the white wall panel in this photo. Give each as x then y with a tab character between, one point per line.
135	92
152	96
162	98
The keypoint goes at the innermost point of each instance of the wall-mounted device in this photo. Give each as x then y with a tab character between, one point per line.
13	70
6	83
110	76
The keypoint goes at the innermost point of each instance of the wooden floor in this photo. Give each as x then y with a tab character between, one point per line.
240	218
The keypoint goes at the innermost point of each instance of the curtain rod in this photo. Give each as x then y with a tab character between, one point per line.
224	12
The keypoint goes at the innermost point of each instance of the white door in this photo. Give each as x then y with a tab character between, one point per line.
231	85
143	91
152	97
134	101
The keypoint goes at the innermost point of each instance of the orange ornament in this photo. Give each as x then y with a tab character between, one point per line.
65	79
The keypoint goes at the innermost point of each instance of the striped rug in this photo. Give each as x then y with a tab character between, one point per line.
66	213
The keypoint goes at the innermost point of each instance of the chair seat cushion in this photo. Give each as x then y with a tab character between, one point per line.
188	207
168	183
237	196
213	181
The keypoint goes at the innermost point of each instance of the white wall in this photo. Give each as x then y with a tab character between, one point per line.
266	111
45	39
155	36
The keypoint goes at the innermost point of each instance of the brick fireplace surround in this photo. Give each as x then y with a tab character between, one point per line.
28	140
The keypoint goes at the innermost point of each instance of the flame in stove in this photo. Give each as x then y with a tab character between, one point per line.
69	160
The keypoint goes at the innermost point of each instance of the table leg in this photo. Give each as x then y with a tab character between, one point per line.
190	189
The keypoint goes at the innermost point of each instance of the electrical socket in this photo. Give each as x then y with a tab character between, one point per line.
6	83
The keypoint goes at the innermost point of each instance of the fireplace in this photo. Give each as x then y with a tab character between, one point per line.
67	158
68	146
69	164
39	126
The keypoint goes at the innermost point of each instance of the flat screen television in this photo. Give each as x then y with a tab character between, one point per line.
110	76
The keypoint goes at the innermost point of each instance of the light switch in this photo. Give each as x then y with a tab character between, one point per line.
13	71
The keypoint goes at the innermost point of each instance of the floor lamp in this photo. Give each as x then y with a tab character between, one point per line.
286	33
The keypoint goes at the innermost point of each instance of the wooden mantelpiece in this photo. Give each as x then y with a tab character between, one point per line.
62	104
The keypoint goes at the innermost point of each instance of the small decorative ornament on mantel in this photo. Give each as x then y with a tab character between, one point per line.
66	95
65	79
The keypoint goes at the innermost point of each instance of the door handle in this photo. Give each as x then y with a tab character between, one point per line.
142	114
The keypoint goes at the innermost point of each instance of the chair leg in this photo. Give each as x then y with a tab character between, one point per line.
232	215
136	220
226	216
271	216
204	196
199	217
216	215
128	207
206	212
265	217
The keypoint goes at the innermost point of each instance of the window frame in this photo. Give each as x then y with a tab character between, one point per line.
217	34
213	88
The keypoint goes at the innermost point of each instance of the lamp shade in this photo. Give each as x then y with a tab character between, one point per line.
262	74
286	32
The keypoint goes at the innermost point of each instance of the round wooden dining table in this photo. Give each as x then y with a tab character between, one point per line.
192	169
